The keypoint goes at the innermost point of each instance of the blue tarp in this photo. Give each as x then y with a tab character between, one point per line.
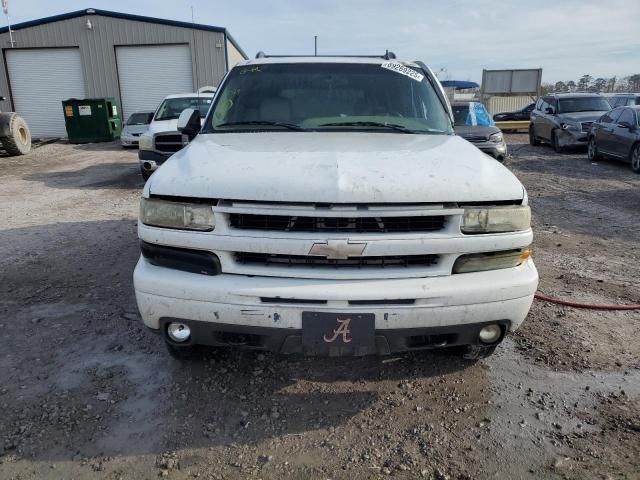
478	115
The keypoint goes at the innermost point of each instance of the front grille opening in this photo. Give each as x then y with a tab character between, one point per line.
168	143
298	301
239	339
430	341
294	223
311	261
398	301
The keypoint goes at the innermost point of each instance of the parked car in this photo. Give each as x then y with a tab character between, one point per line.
137	124
162	138
564	119
523	114
624	99
473	123
326	207
617	135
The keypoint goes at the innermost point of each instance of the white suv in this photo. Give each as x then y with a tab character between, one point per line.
327	208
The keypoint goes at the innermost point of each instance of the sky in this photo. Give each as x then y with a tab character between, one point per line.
458	38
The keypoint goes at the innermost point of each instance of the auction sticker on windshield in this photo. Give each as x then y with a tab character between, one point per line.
402	70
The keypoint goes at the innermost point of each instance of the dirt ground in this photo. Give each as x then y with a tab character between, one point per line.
87	392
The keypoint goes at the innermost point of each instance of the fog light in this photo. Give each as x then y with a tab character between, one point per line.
146	165
490	334
178	332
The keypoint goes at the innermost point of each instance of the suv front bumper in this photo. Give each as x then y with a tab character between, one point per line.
221	309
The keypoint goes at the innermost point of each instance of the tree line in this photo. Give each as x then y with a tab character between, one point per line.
587	83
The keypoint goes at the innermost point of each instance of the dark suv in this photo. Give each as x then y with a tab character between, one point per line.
564	119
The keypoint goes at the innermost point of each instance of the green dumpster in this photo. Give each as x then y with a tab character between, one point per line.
92	120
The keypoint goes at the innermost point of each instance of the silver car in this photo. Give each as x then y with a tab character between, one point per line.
137	124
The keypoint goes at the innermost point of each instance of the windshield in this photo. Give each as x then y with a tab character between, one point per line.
328	96
140	119
583	104
171	108
460	114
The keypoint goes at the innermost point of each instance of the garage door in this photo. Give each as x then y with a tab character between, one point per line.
148	74
40	80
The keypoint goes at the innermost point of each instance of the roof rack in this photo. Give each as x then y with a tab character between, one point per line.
387	56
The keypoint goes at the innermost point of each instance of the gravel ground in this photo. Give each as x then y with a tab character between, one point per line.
87	392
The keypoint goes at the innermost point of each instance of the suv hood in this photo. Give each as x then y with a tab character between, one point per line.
475	131
581	116
349	167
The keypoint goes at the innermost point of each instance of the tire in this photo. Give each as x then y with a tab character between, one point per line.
145	174
556	144
188	352
592	150
478	352
17	140
533	140
635	158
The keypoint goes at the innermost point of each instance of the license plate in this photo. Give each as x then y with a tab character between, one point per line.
337	334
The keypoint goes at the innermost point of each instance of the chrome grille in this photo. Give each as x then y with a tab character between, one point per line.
475	138
292	223
168	143
311	261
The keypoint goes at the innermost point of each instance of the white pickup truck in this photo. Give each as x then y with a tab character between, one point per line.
162	138
326	207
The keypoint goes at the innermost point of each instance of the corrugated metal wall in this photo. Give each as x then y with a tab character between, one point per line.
507	104
97	49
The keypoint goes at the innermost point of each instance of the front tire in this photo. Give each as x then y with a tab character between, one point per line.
188	352
145	174
478	352
592	150
556	143
635	158
533	140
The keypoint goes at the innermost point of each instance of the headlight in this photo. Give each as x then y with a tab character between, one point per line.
496	219
496	137
145	142
481	262
569	126
183	216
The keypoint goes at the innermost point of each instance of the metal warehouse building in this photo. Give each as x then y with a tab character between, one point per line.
96	53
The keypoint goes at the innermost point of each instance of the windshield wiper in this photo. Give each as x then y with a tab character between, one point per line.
289	126
391	126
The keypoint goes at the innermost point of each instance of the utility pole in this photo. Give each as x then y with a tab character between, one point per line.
315	45
5	9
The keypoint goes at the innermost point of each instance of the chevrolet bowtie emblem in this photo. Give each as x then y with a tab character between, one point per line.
338	249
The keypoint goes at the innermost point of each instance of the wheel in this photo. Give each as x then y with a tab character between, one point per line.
533	140
188	352
145	174
592	150
478	352
635	158
16	138
556	143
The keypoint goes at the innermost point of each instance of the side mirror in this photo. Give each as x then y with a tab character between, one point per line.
626	125
549	111
189	122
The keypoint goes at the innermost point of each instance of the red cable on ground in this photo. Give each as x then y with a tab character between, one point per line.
545	298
